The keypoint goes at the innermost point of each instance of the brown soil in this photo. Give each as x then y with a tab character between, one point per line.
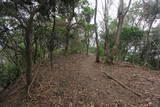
78	81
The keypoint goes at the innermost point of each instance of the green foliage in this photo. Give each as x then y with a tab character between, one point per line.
92	49
8	73
89	27
88	13
66	7
129	42
101	51
130	34
135	58
113	26
75	50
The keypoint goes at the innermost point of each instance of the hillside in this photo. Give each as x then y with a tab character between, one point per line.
78	81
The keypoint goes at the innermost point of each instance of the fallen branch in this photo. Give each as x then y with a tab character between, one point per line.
121	84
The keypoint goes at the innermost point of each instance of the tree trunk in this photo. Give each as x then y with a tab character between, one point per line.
117	36
87	42
35	50
88	45
96	33
147	56
121	16
52	44
51	59
106	43
106	26
67	41
28	53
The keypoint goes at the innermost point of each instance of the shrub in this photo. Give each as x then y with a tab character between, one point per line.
8	73
101	51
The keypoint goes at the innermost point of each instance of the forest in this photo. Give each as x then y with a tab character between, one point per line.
79	53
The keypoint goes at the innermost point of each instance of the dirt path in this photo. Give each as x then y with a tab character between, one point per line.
78	81
104	90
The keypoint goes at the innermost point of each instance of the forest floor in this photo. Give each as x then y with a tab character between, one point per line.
78	81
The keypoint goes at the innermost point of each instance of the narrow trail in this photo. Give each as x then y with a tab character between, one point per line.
77	81
103	90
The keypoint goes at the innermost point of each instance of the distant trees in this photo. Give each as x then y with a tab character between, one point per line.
88	13
130	38
130	43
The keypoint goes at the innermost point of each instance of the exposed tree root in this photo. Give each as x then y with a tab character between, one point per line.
33	80
121	84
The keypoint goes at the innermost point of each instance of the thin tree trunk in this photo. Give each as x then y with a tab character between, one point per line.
52	44
67	41
106	26
106	44
96	33
51	59
88	45
147	58
68	30
52	37
28	53
87	42
35	51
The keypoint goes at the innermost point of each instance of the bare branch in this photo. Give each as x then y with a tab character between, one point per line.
130	1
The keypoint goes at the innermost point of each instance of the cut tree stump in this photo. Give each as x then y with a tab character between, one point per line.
121	84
